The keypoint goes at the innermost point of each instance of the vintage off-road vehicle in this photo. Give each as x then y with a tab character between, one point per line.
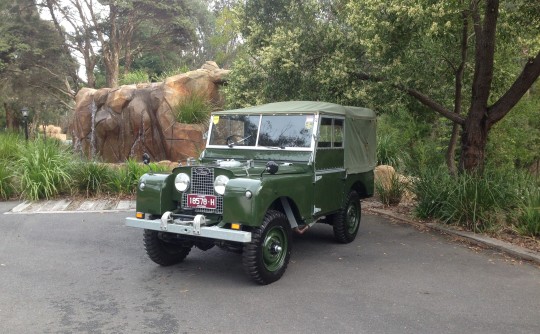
267	171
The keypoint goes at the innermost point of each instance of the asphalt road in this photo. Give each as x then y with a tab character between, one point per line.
87	273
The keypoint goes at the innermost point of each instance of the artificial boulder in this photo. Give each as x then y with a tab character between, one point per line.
115	124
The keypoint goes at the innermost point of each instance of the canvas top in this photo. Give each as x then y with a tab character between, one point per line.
293	107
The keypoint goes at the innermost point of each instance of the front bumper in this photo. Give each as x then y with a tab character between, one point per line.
191	228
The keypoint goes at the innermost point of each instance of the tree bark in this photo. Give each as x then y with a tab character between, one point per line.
476	127
458	95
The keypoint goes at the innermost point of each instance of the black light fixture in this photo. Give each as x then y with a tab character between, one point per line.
24	112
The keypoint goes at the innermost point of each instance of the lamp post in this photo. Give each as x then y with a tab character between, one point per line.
24	112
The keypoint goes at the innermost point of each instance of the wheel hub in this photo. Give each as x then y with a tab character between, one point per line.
275	248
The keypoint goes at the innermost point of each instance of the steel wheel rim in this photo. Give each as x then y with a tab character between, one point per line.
352	218
274	249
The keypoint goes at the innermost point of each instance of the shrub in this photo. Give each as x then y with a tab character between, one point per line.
124	180
43	169
529	218
431	190
388	151
7	188
92	178
390	191
134	77
9	146
193	109
476	202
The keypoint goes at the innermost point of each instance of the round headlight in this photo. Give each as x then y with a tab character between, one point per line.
220	183
181	182
142	185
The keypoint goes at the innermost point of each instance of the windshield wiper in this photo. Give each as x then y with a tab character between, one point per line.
231	142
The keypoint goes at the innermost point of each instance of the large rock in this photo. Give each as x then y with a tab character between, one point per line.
114	124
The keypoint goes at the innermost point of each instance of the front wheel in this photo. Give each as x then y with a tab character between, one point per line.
347	220
266	257
162	252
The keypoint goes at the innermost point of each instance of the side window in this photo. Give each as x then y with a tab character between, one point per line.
338	133
325	133
331	133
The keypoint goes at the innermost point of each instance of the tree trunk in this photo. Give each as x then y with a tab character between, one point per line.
451	150
474	141
113	71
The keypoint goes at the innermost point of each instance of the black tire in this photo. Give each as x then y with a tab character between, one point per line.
161	252
266	257
347	221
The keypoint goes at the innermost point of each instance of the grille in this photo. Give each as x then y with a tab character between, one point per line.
202	183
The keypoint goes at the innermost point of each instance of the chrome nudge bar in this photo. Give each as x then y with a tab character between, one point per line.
193	227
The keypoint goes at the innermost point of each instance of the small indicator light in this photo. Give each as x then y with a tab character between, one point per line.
235	226
139	215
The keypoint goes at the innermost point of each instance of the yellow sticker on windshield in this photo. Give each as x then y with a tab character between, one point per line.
309	122
215	119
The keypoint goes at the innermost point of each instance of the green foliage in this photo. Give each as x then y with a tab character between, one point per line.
529	218
9	152
7	188
195	108
124	180
134	77
302	51
409	142
9	146
34	66
390	191
476	202
43	169
172	72
515	140
91	178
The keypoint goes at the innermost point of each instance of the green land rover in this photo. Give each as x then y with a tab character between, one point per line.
267	172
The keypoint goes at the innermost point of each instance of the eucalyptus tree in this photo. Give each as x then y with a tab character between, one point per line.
470	61
34	69
295	50
114	31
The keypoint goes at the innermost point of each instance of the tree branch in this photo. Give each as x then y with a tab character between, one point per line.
484	52
433	105
524	81
424	99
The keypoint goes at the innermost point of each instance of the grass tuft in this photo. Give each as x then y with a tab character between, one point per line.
43	169
193	109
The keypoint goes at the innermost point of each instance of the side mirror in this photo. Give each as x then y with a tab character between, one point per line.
146	158
272	167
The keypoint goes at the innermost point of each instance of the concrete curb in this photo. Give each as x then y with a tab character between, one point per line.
503	246
72	206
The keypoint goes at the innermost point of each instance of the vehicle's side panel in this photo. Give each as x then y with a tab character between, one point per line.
363	183
251	211
328	190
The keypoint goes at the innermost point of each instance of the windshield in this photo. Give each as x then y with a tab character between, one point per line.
276	131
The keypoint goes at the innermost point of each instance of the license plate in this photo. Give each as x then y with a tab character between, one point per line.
201	201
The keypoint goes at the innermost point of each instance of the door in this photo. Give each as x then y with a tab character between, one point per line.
330	174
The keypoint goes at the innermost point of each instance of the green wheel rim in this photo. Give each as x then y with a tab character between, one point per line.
275	248
352	218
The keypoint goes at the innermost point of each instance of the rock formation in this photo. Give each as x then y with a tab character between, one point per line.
114	124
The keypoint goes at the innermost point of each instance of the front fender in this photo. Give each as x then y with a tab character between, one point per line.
250	211
237	208
156	197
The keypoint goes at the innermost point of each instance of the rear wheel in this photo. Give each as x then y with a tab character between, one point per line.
266	257
347	220
162	252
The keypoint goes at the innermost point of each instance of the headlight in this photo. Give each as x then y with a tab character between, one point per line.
181	182
142	185
220	183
